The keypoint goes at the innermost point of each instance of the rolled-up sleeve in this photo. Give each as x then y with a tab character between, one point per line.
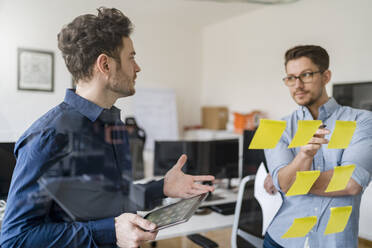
359	152
279	157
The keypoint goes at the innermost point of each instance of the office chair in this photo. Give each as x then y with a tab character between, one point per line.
247	227
137	139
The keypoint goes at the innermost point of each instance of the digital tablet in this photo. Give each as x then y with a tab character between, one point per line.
175	213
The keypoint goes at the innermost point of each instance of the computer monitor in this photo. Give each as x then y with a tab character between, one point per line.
356	95
166	154
252	158
7	163
214	157
224	158
197	157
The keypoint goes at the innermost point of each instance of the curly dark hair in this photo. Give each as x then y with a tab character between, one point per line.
88	36
316	54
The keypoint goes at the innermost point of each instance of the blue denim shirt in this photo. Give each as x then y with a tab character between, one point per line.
78	145
359	152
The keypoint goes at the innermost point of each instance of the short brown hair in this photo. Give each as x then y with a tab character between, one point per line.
316	54
88	36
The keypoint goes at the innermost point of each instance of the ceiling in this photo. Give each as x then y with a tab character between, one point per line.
198	12
193	12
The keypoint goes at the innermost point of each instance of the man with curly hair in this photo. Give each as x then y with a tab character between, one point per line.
79	151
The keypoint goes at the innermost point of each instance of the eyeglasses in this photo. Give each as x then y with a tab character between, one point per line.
306	77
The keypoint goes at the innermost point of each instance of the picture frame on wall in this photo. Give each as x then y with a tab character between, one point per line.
35	70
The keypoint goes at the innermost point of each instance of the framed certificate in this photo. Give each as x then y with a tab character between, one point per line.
35	70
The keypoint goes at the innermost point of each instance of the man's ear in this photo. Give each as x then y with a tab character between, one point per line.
102	64
327	76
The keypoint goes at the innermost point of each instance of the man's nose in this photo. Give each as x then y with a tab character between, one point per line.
298	83
137	68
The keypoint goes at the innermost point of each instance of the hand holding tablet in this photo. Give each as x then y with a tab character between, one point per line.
175	213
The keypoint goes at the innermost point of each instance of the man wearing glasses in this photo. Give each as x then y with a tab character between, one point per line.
307	75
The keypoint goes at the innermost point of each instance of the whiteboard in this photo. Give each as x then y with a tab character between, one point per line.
155	111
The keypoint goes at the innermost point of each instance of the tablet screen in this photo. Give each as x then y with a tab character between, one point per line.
175	213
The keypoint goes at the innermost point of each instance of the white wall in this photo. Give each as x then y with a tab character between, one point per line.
243	57
169	53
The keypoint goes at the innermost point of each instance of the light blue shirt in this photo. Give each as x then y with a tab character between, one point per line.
359	152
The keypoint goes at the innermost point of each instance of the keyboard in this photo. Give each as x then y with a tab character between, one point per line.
225	209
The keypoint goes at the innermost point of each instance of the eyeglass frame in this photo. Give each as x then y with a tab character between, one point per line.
299	78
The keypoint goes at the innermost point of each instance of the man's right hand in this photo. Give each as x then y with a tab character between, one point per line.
130	230
303	160
315	143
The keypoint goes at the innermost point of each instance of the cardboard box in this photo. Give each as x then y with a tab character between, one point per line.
215	117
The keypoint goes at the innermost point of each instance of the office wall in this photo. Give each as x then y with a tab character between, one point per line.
243	57
169	53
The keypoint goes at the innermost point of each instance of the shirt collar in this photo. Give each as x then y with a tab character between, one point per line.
89	109
330	107
110	116
325	111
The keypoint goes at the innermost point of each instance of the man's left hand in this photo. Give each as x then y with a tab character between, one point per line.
269	185
180	185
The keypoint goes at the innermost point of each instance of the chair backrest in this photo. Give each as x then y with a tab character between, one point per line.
136	151
137	139
247	227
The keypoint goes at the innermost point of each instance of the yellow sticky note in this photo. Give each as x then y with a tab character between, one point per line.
338	219
340	178
304	181
342	134
300	227
268	134
305	131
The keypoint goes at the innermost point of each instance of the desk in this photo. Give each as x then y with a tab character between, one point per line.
197	224
203	223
